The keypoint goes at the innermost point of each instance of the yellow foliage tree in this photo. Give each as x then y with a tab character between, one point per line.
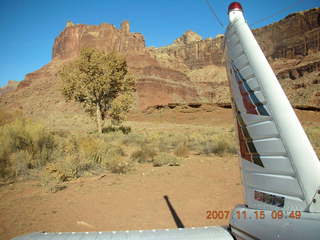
101	83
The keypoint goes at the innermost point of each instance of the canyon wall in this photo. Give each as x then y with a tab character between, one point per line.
189	70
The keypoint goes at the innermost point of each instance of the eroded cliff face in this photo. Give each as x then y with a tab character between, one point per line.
105	37
189	70
296	35
192	53
291	45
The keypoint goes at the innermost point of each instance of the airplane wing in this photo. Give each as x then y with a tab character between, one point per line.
203	233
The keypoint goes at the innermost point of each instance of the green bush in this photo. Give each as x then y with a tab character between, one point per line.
166	159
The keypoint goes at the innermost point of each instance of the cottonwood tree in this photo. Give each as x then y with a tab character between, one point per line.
101	83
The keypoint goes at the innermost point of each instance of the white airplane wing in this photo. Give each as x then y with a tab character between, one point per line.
203	233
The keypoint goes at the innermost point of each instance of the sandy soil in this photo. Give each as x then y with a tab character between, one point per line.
121	202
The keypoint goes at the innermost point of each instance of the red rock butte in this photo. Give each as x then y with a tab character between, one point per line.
191	70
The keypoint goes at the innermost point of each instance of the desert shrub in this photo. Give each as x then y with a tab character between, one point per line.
218	146
115	128
213	141
164	145
68	145
182	150
144	154
133	139
120	165
81	154
112	137
176	140
60	133
43	148
92	148
112	157
50	183
64	169
166	159
24	145
4	162
112	152
19	162
31	137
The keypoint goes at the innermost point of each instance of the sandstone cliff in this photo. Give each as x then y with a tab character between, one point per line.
189	70
291	45
105	37
157	84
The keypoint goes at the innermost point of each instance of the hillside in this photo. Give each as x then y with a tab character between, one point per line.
11	86
191	70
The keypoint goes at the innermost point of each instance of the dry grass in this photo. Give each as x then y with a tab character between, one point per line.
62	155
313	133
24	145
166	159
7	117
144	154
182	150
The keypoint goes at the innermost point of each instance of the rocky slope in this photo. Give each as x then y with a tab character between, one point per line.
188	71
11	86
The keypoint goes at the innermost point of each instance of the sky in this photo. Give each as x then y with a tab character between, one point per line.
28	27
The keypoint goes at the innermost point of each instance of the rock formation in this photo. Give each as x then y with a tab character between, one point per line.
188	37
189	70
105	37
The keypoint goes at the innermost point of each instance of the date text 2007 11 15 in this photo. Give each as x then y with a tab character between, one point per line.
258	214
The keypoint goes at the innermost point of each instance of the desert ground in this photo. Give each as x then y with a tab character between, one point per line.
135	200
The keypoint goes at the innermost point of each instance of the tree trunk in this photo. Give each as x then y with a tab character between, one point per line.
99	121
